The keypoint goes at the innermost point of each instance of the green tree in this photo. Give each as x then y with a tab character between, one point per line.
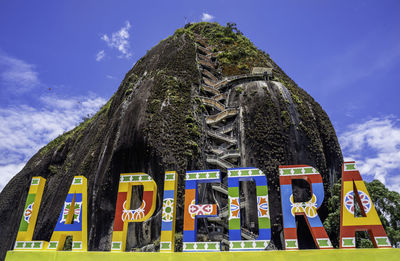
387	204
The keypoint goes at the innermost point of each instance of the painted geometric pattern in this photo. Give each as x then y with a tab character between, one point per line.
53	245
234	208
123	214
168	210
30	199
297	171
170	176
133	214
193	210
200	210
165	245
29	245
77	212
262	205
291	244
348	241
350	166
35	181
195	175
167	238
309	207
116	245
258	177
324	243
201	246
349	201
77	181
382	241
28	212
242	245
290	208
349	223
245	172
135	178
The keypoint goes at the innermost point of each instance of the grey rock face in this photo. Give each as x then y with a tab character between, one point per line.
176	110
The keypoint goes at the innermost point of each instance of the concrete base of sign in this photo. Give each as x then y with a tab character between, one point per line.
295	255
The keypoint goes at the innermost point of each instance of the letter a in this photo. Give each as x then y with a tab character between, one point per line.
73	218
353	187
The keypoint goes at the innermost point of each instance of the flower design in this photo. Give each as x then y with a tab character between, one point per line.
167	211
349	201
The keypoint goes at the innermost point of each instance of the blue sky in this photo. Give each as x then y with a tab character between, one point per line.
61	60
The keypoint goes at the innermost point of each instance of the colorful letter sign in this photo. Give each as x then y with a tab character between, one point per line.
167	242
123	213
353	187
29	216
73	218
194	210
264	225
308	209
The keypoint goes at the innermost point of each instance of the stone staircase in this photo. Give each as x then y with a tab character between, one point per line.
222	129
222	123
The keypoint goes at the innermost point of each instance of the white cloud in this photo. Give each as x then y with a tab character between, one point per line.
26	129
207	17
100	55
17	75
119	40
375	145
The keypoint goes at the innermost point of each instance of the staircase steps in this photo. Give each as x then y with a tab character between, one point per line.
222	137
226	128
206	64
200	41
210	75
206	51
209	82
213	103
212	119
230	154
221	96
219	162
210	89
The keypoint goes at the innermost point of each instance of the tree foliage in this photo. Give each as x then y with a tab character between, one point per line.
387	204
